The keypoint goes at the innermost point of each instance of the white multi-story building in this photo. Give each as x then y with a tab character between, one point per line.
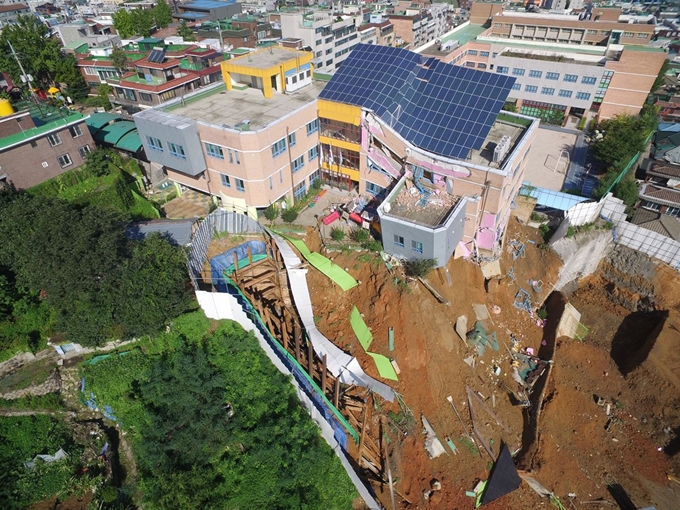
331	36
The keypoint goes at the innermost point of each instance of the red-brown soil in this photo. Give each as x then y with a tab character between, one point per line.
575	454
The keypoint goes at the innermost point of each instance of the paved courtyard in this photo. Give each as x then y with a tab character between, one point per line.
549	158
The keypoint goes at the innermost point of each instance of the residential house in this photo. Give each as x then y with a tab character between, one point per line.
250	141
47	9
417	25
161	76
450	175
94	34
241	32
39	143
10	13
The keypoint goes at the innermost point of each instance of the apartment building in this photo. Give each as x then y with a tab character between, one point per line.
164	75
556	79
87	32
250	142
430	135
331	36
37	144
417	25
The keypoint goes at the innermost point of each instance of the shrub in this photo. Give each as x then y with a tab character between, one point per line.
272	212
420	268
372	245
337	234
289	215
359	235
316	184
542	314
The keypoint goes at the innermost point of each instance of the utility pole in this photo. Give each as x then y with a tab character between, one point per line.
25	75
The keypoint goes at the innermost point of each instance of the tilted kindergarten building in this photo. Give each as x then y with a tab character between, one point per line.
434	135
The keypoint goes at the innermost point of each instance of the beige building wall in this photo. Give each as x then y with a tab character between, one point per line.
266	178
634	75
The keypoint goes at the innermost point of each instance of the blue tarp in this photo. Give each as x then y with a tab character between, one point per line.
220	263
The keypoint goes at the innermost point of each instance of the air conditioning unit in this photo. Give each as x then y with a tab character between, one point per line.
44	164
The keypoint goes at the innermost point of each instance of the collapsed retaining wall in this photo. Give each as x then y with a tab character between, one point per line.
581	255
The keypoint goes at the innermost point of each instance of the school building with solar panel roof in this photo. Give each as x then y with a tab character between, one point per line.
428	136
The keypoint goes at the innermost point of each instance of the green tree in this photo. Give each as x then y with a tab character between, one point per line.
122	21
154	286
67	72
272	212
185	31
289	215
627	191
97	162
39	54
162	14
143	21
660	77
624	136
419	268
120	60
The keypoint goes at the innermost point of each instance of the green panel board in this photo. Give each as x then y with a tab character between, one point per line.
384	366
333	271
360	329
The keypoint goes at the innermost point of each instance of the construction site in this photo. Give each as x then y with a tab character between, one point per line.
480	385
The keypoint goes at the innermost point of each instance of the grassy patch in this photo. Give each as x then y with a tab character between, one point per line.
51	402
33	373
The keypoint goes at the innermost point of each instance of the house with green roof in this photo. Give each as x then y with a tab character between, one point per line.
39	142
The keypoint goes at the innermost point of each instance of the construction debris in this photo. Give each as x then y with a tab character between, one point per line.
433	445
461	327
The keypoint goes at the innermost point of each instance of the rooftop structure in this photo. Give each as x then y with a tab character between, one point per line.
444	109
230	110
405	203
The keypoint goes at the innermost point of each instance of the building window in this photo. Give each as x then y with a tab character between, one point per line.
672	211
279	147
225	181
64	160
481	65
75	131
583	95
535	74
291	140
298	163
503	69
340	130
651	205
472	53
591	32
240	185
154	143
517	86
312	127
91	71
84	151
628	34
552	76
483	53
565	93
548	91
589	80
417	246
214	151
571	78
314	176
313	154
237	157
299	191
642	36
398	240
374	189
469	64
177	150
143	96
517	71
530	88
54	139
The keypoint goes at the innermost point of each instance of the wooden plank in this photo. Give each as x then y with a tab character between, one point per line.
310	359
324	362
235	274
336	392
297	336
362	440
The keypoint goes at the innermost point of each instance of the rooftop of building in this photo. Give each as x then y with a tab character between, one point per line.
556	56
45	117
231	108
207	4
506	125
265	59
464	34
405	203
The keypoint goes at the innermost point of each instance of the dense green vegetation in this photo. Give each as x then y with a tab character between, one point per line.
41	56
624	136
142	21
214	425
22	438
67	268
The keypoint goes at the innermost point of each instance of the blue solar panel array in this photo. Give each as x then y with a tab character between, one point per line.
439	107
